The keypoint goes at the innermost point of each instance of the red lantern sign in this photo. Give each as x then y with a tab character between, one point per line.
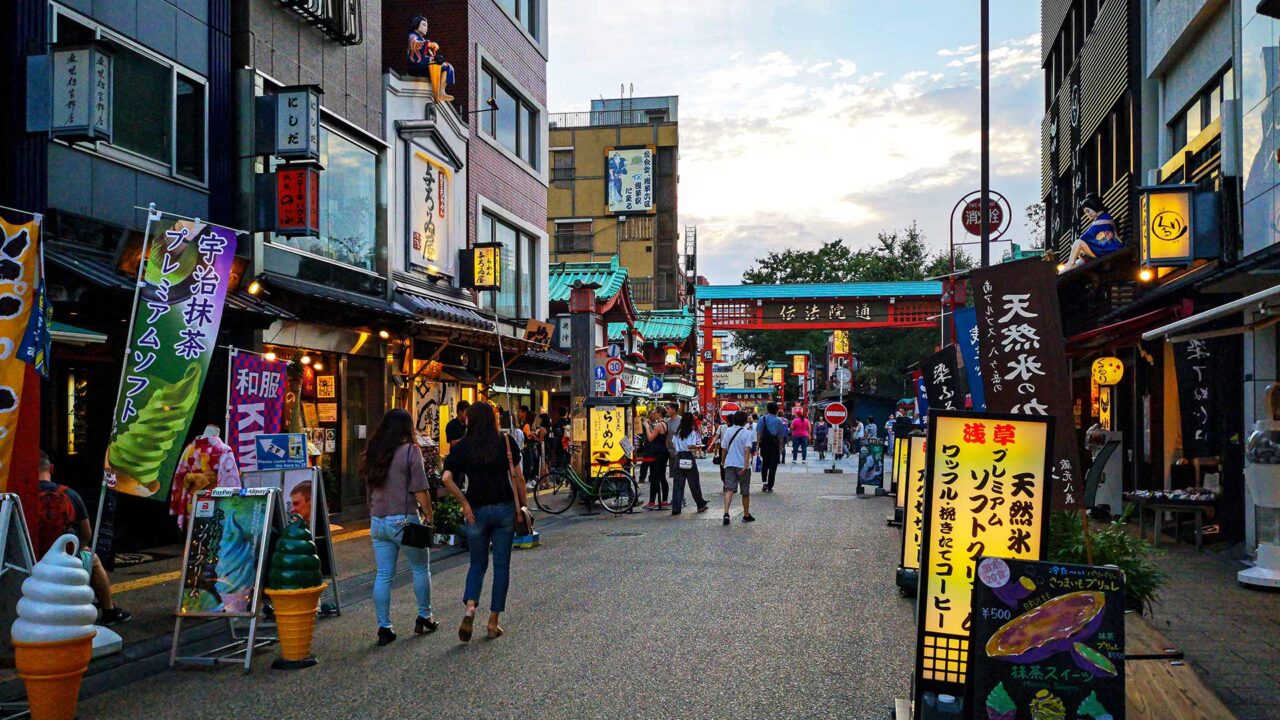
297	200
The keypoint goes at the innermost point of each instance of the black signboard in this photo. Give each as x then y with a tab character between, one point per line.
1194	362
1048	642
941	374
1024	360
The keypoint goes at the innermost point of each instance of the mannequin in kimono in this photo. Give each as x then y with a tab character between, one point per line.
206	463
425	58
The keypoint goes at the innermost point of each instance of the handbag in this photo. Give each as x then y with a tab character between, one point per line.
524	519
415	534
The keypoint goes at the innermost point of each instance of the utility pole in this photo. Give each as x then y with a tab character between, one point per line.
986	131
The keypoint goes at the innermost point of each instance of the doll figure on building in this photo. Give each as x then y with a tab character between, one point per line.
425	59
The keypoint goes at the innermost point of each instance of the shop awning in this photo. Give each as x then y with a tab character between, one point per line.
341	297
1257	309
439	309
1125	332
72	335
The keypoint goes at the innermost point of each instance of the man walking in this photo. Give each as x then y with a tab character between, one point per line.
771	433
735	458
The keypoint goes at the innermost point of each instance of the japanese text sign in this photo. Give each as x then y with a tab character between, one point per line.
18	283
486	266
1024	362
298	123
840	342
1107	370
942	380
985	494
1194	364
823	314
1167	224
966	320
297	200
911	497
255	404
608	431
799	364
82	85
186	270
629	176
1047	641
777	375
430	192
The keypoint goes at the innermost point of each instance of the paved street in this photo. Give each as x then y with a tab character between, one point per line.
643	616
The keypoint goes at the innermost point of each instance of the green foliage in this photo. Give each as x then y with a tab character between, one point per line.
894	256
448	516
1111	546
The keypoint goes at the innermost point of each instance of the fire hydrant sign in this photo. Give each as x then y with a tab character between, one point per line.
986	493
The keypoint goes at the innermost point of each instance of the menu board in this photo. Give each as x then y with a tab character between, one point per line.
1048	641
911	494
986	493
608	431
225	549
871	462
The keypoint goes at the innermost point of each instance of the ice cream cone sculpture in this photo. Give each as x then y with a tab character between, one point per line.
53	635
294	586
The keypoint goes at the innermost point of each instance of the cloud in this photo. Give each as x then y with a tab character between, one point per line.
847	68
962	50
816	68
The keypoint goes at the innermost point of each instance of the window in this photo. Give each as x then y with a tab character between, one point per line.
518	294
573	237
1203	110
159	110
514	124
524	12
562	164
348	203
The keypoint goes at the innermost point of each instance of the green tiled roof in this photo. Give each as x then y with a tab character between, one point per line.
658	326
610	276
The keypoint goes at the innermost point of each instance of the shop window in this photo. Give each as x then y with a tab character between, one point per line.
517	297
514	122
159	110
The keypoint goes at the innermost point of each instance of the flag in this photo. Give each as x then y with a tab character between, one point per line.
256	403
19	279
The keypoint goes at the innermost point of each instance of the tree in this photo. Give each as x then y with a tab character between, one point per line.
1034	225
886	353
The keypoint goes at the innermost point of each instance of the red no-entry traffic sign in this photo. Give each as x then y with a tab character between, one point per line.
836	413
728	409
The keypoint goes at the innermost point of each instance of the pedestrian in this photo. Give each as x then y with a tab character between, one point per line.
61	510
770	433
735	459
495	493
800	437
870	431
560	438
684	440
655	434
820	432
456	429
391	467
673	421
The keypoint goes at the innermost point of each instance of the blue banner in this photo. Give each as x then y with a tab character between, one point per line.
967	332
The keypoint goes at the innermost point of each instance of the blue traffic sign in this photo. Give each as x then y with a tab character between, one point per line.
615	350
616	386
600	373
655	384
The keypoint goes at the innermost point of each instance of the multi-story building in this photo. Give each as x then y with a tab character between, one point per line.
614	191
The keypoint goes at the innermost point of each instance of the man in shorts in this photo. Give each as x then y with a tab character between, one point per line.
735	459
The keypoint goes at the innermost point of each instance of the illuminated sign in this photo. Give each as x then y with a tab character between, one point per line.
799	364
778	376
608	428
297	200
840	342
671	356
986	493
482	266
1107	371
430	191
1167	223
899	465
717	347
911	498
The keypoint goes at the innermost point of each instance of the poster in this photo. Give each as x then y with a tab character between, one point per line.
941	375
310	414
326	388
226	545
179	310
1194	364
871	462
608	431
297	491
328	412
430	188
280	451
330	440
19	263
1048	641
629	180
966	320
985	494
1024	361
256	404
911	493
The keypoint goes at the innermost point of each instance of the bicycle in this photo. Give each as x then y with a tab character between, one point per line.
557	490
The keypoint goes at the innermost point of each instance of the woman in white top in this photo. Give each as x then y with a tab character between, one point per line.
683	441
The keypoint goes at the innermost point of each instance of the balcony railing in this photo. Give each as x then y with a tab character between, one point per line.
596	118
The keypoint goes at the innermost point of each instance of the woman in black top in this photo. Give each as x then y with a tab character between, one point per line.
488	460
656	434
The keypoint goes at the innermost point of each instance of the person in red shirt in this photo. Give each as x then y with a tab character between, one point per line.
800	437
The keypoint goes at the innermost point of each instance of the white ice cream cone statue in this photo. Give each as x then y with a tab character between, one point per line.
53	635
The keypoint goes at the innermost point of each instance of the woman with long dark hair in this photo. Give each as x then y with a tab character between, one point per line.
489	461
391	467
683	442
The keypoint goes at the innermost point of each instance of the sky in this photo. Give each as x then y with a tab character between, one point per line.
803	121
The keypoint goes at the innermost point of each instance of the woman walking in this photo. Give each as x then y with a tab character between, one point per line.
655	432
683	441
800	437
494	487
398	493
820	432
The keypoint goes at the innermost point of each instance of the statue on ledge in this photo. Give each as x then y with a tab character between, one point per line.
425	59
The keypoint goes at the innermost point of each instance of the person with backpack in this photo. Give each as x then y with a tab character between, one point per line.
735	461
770	433
61	510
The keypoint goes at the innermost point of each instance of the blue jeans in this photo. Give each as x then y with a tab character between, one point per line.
799	446
495	525
385	533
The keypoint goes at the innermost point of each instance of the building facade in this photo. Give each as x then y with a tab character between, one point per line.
606	200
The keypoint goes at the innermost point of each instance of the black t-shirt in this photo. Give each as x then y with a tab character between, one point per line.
488	476
454	430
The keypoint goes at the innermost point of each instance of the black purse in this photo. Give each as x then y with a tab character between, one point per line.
416	534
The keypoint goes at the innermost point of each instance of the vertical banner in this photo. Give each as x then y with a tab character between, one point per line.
187	266
1193	367
986	493
1024	360
941	373
922	397
966	320
911	495
255	405
19	279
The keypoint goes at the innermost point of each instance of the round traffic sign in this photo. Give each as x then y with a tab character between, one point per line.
599	372
615	386
842	376
836	413
655	384
613	366
971	216
728	409
615	350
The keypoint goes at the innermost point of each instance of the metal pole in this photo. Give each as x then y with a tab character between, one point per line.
986	131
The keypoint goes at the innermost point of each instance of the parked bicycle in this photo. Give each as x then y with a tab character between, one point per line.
613	487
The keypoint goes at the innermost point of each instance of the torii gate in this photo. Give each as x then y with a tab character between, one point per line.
815	306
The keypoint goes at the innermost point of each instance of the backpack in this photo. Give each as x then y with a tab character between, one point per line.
57	516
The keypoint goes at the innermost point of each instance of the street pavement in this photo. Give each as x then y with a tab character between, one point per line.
644	616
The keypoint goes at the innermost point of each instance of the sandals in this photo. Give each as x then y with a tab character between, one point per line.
464	630
494	633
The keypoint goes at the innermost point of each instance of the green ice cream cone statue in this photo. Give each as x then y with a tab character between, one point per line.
294	586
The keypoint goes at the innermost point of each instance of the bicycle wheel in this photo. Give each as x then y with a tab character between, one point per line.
618	491
554	492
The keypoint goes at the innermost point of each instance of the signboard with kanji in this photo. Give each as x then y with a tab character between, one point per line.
799	364
608	428
911	498
82	85
297	123
430	195
840	342
825	311
986	493
942	380
1048	641
297	200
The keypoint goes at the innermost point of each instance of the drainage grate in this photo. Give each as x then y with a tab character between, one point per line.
623	534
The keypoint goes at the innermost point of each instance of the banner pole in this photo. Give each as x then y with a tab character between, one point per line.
153	215
231	362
